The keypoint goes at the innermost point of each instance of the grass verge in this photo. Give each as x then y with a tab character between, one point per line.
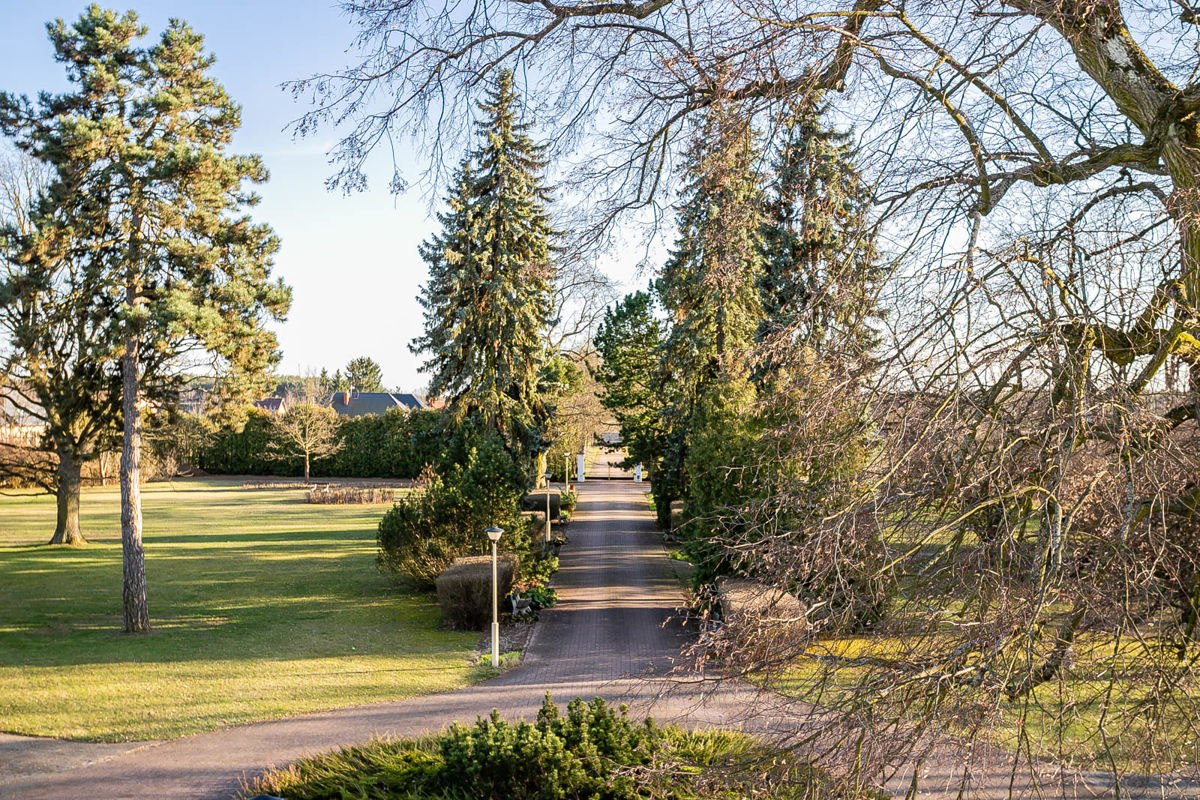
262	606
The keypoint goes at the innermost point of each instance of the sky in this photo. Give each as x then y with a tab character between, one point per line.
351	261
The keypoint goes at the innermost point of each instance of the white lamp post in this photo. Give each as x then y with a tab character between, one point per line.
494	535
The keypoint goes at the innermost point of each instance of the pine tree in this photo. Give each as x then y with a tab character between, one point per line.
143	181
821	271
52	371
488	299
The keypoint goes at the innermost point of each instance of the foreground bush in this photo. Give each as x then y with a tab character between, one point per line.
593	751
464	590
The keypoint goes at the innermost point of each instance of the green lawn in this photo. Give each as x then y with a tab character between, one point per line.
263	606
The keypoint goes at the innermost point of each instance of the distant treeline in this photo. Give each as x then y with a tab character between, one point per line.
393	445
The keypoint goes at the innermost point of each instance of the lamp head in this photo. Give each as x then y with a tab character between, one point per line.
494	533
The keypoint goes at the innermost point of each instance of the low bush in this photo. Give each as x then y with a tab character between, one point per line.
592	751
348	495
569	499
542	597
536	501
464	590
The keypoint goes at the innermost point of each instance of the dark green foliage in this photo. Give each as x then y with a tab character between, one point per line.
821	271
422	534
464	589
398	444
364	374
592	752
488	300
630	340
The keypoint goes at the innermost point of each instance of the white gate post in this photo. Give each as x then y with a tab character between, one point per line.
637	473
579	476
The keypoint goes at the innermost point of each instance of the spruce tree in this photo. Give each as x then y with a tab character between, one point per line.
487	303
821	271
364	374
143	182
709	285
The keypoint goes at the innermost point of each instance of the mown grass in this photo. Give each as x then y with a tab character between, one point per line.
262	606
1101	711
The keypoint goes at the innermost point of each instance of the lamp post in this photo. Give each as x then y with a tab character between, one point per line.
494	535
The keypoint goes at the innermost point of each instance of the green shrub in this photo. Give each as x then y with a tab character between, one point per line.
593	752
569	499
464	589
542	597
574	755
422	534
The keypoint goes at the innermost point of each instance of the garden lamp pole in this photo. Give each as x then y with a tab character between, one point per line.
494	535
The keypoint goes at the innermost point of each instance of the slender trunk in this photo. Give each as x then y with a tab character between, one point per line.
137	617
66	530
306	466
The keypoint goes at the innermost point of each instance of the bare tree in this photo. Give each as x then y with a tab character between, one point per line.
308	427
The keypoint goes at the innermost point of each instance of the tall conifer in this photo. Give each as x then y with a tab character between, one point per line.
820	266
487	303
709	285
144	185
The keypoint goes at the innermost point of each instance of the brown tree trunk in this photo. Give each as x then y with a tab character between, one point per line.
306	466
66	529
137	617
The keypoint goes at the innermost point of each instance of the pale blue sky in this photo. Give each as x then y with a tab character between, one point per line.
351	261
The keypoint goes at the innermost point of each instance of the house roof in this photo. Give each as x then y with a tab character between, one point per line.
358	404
275	405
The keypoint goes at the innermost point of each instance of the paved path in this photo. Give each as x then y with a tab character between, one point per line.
606	637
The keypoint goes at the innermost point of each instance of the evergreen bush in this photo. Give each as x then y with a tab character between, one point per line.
592	752
423	533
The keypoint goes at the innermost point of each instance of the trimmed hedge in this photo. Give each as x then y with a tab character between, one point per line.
397	444
464	590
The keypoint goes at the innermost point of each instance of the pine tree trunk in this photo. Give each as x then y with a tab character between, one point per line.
137	617
66	529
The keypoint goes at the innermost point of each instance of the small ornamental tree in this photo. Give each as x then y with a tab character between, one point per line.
307	430
488	300
143	181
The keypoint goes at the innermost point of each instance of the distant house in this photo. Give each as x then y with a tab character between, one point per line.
360	404
19	423
272	405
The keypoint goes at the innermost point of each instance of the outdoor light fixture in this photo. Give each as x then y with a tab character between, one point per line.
493	534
